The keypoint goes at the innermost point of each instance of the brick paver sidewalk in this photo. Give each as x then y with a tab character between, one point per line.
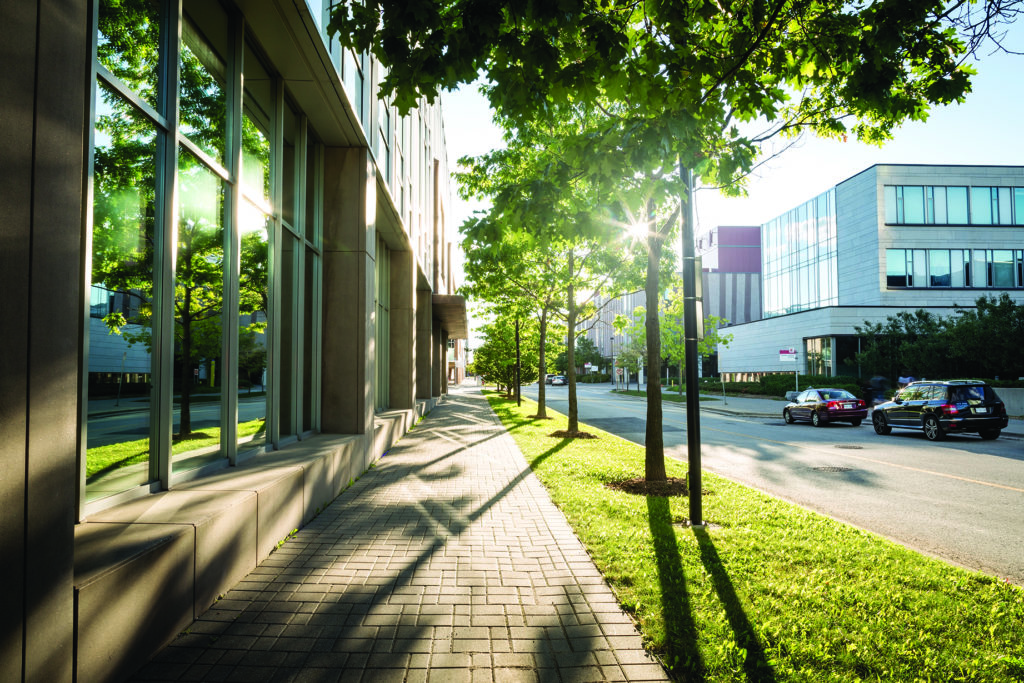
446	562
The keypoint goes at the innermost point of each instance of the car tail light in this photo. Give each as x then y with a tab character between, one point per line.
949	409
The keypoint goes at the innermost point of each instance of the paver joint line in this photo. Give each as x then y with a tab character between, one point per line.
446	561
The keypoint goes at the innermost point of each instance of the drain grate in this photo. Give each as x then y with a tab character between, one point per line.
832	468
849	446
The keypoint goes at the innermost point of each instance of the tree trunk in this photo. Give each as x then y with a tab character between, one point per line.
570	350
519	398
542	411
654	464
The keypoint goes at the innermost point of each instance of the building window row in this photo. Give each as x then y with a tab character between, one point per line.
953	205
202	179
977	268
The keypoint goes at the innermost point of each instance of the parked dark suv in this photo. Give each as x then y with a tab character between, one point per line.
940	408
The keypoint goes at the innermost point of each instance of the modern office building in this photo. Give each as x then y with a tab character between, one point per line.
731	272
227	290
891	238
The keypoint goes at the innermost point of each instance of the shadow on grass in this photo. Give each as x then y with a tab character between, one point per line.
682	655
756	663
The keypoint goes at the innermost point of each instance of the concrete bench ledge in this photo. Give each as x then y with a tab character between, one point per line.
144	570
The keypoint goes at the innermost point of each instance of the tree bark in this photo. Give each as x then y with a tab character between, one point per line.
542	411
570	349
654	464
519	398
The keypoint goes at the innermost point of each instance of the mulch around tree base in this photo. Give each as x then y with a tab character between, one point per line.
673	486
566	434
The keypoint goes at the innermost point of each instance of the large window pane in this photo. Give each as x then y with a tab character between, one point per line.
1001	265
309	349
253	296
1018	205
121	296
956	205
203	102
939	205
198	304
913	205
383	326
981	205
920	268
896	268
958	268
257	123
289	341
255	161
1005	205
938	268
128	44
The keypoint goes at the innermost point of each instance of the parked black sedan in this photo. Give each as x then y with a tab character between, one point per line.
939	408
821	406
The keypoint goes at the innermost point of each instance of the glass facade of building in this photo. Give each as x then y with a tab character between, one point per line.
953	205
957	268
205	242
799	261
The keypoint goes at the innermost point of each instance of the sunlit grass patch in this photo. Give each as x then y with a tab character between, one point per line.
771	591
102	459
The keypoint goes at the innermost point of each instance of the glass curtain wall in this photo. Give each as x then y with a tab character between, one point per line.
129	138
799	260
179	297
382	339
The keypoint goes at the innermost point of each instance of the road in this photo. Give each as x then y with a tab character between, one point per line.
133	422
961	499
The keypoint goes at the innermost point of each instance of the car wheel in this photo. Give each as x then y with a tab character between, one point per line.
932	430
855	423
787	417
989	434
816	420
878	422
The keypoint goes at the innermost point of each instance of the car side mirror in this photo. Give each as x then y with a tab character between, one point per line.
897	400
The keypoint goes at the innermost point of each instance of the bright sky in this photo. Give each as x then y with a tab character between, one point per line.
986	129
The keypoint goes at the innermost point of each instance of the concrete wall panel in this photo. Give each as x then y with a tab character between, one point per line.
134	592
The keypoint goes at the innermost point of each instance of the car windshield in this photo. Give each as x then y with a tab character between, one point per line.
836	394
972	394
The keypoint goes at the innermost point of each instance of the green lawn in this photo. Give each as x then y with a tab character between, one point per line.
103	459
770	591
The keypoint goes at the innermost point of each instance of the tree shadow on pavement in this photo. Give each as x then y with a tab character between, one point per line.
755	664
682	654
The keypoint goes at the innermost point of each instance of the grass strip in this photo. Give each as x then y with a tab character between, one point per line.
769	591
104	459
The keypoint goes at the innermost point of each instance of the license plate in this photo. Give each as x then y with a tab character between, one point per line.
980	411
849	406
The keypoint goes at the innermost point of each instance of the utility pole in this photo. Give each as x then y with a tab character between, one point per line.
690	335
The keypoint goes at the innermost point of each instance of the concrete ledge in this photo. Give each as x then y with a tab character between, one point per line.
225	533
134	591
279	498
327	462
146	569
